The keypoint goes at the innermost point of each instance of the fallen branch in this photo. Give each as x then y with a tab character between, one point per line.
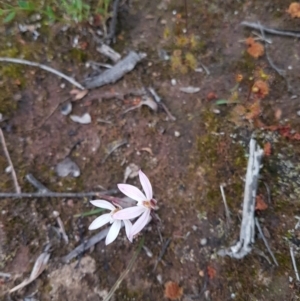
227	212
57	194
286	33
44	67
13	173
112	75
247	232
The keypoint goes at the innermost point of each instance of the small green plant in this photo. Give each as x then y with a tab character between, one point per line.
54	10
76	10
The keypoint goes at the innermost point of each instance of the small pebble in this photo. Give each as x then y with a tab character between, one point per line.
63	85
216	111
203	241
194	227
290	67
174	12
8	169
159	278
176	134
173	82
298	113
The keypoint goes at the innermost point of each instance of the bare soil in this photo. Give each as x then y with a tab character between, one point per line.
185	171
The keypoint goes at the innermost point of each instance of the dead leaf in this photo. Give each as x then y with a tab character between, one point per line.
238	78
148	150
131	171
38	268
78	94
211	272
267	149
294	10
172	290
260	203
254	49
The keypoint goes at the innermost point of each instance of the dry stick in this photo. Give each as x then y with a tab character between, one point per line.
162	253
113	23
287	33
125	273
57	194
44	67
265	241
13	173
294	263
247	231
85	245
228	219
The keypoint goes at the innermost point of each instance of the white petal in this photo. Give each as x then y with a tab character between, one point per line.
103	204
132	192
140	223
113	232
100	221
129	213
128	226
146	185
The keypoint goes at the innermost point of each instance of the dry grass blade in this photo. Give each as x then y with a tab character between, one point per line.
38	268
14	176
124	274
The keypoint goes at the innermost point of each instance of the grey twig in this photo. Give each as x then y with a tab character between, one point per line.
227	212
286	33
247	231
56	194
113	23
265	241
37	184
294	263
162	252
85	245
44	67
112	75
13	173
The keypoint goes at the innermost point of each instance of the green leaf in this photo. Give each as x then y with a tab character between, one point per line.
1	12
88	213
10	17
50	13
23	4
225	102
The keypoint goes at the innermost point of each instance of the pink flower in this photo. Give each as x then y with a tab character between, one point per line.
108	218
145	203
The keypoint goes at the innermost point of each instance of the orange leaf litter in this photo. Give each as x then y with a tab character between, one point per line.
254	49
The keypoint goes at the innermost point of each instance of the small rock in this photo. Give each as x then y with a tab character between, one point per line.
177	134
173	82
66	108
84	119
203	241
67	167
159	278
216	111
62	85
8	169
194	227
298	113
190	89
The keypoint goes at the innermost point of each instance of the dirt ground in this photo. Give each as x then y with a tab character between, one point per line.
186	160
